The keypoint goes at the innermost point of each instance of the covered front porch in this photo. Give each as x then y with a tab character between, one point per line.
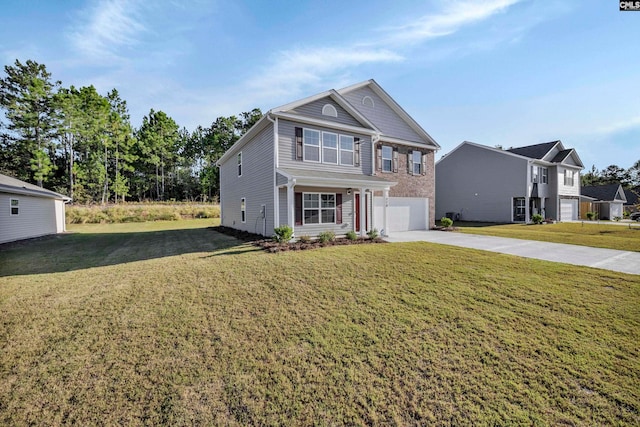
311	202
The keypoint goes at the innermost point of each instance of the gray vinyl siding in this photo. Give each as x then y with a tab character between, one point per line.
284	208
287	150
347	213
479	183
255	185
314	109
36	217
381	115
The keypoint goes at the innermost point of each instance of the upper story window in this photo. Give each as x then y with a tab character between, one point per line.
416	162
15	206
240	163
539	174
568	177
311	143
327	147
544	175
387	159
329	110
346	150
534	174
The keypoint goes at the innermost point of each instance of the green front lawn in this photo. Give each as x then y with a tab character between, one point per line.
622	237
171	323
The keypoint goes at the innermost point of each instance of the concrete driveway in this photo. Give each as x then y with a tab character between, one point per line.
608	259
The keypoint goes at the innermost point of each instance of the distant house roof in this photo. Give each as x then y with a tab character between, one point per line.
605	193
15	186
537	151
632	196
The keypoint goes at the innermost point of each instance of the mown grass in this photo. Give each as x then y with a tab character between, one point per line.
138	212
202	330
596	235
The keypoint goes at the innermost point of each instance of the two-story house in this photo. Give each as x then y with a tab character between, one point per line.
481	183
341	160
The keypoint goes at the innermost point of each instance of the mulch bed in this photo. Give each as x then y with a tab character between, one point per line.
271	246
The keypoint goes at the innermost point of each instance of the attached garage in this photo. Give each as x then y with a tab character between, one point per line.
403	213
568	209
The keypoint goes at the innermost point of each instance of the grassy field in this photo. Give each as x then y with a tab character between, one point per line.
597	235
172	323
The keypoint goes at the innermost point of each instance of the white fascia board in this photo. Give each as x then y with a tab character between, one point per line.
574	153
401	112
335	182
324	123
33	193
244	139
399	141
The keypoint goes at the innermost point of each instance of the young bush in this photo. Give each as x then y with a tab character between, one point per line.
373	234
351	235
446	222
591	216
284	234
537	218
616	218
326	236
305	238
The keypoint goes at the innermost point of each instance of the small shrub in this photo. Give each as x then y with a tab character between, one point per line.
284	233
373	234
305	238
626	214
352	235
537	218
326	236
446	222
616	218
591	216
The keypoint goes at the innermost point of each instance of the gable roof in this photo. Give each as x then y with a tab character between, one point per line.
537	151
605	193
16	186
377	89
632	195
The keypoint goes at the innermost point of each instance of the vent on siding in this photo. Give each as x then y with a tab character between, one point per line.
368	101
329	110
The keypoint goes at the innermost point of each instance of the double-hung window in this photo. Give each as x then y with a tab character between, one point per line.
319	208
416	162
329	148
243	210
534	174
568	178
15	206
311	143
240	163
346	150
544	175
387	159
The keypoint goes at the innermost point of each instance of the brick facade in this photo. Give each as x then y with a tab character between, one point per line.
409	185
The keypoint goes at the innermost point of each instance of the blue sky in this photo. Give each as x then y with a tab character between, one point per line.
498	72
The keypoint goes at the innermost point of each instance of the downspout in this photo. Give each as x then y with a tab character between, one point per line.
374	140
276	196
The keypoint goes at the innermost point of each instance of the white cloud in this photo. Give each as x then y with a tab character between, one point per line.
106	27
454	16
620	126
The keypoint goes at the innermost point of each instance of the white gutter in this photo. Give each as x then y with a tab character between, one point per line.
374	140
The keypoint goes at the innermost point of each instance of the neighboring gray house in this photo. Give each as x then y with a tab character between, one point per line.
27	210
341	160
480	183
607	201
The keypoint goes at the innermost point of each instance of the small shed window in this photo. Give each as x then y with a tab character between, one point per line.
329	110
15	206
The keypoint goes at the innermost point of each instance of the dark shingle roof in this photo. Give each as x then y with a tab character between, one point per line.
536	151
601	192
632	196
561	155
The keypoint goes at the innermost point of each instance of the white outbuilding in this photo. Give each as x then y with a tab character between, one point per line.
27	210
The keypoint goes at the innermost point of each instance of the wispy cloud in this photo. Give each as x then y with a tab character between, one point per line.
449	20
106	27
620	126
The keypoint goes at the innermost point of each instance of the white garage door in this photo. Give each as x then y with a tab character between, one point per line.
568	210
403	213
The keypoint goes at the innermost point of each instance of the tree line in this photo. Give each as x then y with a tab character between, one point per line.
613	174
80	143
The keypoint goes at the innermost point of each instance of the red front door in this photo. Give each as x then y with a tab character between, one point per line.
366	210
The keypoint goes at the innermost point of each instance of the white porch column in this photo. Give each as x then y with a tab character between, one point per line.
385	205
526	210
363	213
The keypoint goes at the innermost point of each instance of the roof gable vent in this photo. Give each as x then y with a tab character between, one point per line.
329	110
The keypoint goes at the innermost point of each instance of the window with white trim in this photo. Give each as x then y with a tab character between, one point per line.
534	174
346	150
387	158
243	209
416	162
544	175
568	178
240	163
318	208
311	143
15	206
330	148
519	208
